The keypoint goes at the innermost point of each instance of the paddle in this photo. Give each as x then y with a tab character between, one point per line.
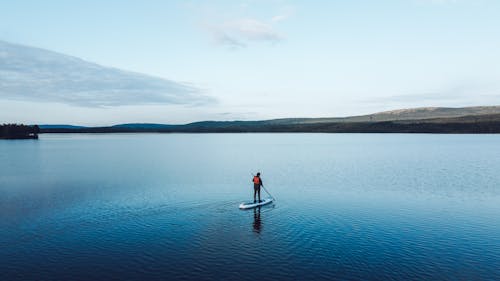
268	193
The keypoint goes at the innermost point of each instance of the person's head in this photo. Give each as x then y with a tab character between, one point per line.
258	174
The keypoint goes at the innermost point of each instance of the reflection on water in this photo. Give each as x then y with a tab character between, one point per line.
165	206
257	224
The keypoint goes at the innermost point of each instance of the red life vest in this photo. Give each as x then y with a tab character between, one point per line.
256	180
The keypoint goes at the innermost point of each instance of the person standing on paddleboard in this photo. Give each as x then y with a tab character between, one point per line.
257	183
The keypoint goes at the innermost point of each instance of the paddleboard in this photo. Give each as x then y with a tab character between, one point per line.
251	205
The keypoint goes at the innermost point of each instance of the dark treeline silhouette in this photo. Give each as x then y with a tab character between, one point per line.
479	124
19	131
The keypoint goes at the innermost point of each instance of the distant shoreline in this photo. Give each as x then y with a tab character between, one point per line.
474	124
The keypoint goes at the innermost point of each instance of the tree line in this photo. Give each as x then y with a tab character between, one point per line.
19	131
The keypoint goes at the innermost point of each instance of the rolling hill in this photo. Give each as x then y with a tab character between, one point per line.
417	120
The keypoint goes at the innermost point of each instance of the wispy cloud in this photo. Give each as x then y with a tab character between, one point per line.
240	32
241	27
286	12
221	37
460	94
39	75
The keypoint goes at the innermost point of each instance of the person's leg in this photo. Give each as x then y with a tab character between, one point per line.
259	194
254	193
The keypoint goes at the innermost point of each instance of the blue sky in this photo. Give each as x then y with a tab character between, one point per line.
268	59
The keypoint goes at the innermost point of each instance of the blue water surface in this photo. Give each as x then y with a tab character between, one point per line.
165	207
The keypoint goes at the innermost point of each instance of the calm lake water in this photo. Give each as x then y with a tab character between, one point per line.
165	207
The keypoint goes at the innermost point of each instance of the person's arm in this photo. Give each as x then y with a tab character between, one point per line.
261	183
